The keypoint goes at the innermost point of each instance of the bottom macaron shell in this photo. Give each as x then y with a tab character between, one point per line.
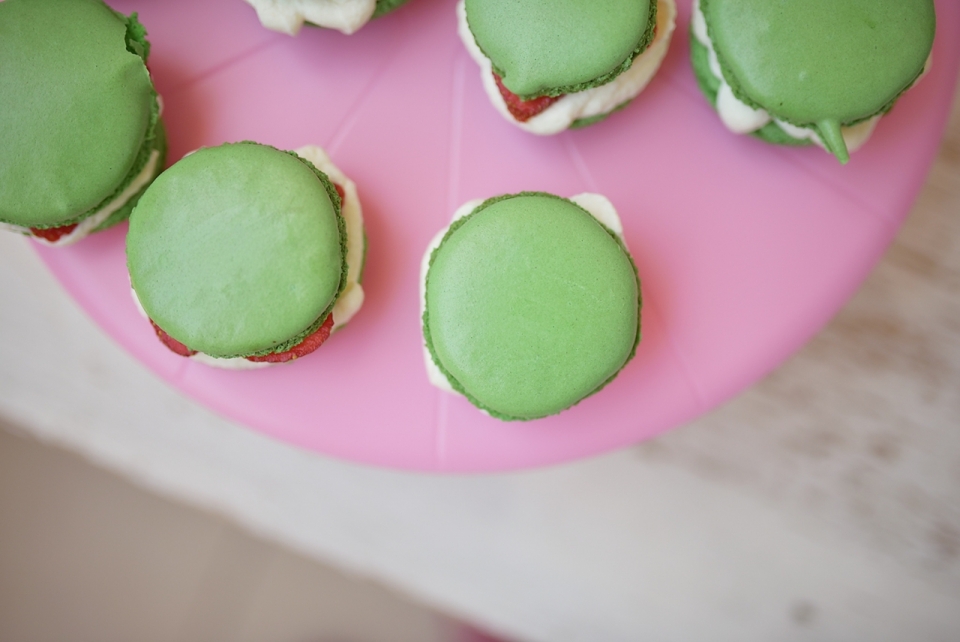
531	305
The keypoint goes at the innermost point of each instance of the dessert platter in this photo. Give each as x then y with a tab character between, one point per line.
744	249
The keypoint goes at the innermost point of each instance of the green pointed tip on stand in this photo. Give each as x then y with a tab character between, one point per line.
832	138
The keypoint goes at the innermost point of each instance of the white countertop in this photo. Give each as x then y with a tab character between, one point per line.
822	504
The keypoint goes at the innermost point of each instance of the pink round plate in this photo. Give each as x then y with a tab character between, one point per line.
745	250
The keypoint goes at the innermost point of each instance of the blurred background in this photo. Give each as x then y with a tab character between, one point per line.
822	504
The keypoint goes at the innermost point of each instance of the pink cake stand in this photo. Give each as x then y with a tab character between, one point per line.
745	250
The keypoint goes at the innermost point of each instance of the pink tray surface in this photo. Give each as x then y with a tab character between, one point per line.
745	250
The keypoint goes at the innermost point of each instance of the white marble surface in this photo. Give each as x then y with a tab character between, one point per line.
823	504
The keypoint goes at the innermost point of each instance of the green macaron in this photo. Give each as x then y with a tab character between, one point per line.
238	251
565	64
80	134
817	65
563	46
530	305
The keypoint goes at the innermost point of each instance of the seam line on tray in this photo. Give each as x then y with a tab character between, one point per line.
692	384
453	190
573	152
345	126
224	65
456	137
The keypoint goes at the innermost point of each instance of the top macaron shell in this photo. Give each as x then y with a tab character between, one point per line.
820	63
238	249
561	46
75	108
531	305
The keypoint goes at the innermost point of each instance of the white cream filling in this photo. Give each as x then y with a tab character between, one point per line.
92	222
351	298
741	118
597	205
288	16
582	104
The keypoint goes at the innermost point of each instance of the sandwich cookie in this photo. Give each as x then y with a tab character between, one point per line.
80	130
551	65
244	255
288	16
529	303
810	71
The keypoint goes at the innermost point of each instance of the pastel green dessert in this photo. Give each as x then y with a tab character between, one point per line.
239	251
551	66
530	305
564	46
814	66
80	134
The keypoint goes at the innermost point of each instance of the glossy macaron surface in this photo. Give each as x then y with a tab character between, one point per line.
531	305
75	107
236	249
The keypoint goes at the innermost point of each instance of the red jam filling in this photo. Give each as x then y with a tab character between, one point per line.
172	343
523	110
53	234
305	347
340	192
310	343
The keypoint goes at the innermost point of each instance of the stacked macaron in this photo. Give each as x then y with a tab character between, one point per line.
243	255
346	16
530	303
549	66
80	129
817	71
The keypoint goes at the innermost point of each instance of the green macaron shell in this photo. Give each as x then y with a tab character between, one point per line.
563	46
821	63
531	305
78	111
238	250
